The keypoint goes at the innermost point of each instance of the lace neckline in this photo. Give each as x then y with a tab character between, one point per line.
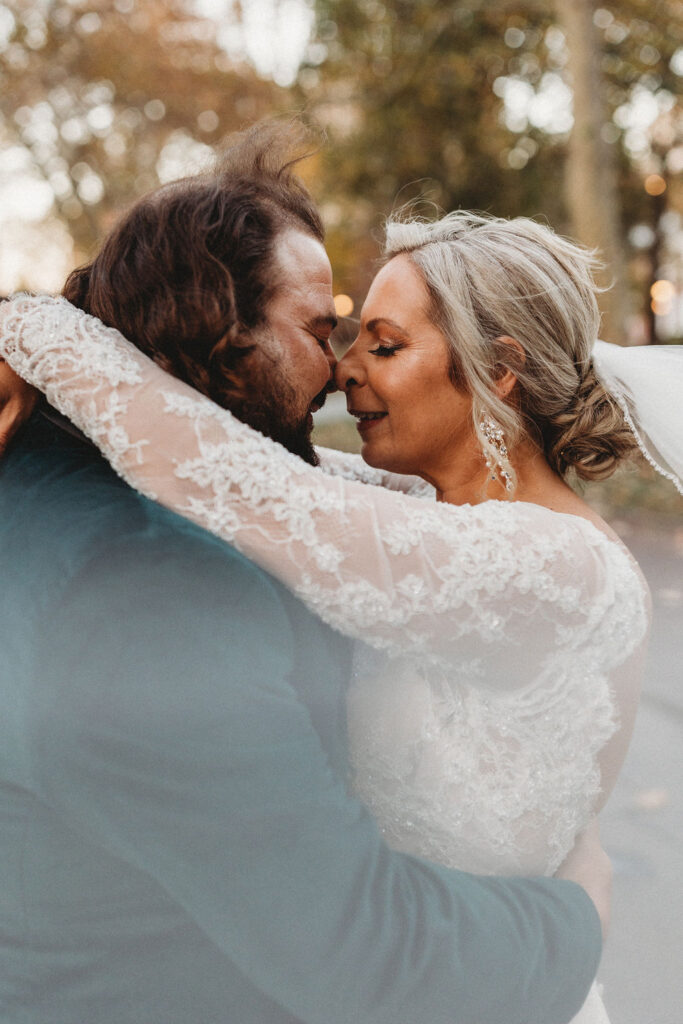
613	543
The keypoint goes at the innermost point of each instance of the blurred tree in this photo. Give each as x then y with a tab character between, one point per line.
470	104
590	176
641	64
110	98
407	94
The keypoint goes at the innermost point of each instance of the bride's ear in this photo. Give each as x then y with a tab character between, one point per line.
511	356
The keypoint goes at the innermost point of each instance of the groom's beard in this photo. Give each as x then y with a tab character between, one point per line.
273	411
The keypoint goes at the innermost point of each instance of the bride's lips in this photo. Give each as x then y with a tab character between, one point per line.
367	420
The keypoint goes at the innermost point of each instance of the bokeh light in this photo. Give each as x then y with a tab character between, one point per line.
654	185
662	293
343	304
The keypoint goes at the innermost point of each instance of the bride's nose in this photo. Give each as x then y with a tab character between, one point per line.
349	371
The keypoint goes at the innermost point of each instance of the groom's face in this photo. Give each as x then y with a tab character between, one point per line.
293	364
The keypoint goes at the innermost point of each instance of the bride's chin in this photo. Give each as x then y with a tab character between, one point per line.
374	457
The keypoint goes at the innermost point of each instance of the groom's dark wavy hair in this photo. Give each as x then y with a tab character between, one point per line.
187	272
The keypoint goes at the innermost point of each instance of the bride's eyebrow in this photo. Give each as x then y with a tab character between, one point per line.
373	325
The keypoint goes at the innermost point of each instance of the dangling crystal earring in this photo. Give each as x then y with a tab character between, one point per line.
495	437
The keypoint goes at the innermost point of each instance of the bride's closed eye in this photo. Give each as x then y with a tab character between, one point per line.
385	350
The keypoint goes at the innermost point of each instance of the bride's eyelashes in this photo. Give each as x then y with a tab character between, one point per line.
385	350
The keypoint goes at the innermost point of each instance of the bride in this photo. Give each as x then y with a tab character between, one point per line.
500	628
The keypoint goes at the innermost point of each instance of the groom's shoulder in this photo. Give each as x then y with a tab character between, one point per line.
64	513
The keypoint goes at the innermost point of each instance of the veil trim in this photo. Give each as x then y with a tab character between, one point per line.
647	384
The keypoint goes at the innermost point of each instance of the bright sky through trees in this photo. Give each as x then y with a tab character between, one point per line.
272	33
102	99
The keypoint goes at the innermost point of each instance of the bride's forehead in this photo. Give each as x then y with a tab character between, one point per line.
397	292
398	280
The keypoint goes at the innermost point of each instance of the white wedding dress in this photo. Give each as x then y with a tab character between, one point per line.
499	645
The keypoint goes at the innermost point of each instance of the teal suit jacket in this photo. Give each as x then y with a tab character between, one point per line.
177	840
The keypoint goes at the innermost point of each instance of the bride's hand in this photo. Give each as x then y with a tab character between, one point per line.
589	866
17	402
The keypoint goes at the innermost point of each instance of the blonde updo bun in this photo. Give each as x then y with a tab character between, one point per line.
591	436
490	278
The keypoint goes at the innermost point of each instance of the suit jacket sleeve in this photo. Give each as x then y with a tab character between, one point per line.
168	729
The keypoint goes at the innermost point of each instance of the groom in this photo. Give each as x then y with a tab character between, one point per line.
178	842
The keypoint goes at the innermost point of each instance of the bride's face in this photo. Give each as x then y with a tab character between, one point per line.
411	417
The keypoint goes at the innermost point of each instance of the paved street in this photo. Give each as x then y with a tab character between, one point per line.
643	822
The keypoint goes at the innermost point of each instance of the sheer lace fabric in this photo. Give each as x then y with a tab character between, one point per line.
495	642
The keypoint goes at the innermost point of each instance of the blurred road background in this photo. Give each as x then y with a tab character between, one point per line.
643	822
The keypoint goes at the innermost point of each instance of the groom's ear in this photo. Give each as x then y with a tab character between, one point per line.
510	358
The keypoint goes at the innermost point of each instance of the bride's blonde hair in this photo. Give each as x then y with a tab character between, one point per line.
489	278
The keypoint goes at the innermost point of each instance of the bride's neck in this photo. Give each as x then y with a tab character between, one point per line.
468	482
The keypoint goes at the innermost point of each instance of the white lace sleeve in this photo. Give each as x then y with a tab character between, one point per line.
500	586
352	467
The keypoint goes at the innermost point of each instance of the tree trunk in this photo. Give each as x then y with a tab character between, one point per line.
591	176
658	207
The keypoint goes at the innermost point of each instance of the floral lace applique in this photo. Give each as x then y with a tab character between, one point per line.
500	631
